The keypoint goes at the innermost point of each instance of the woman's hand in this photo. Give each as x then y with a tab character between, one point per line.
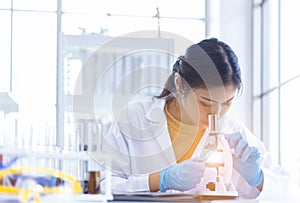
246	159
182	176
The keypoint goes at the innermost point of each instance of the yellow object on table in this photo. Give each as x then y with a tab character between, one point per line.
27	193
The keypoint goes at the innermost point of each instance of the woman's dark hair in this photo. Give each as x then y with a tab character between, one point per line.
209	63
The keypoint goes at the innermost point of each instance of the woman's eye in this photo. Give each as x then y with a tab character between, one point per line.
206	104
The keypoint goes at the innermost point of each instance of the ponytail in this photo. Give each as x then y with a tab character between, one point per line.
169	87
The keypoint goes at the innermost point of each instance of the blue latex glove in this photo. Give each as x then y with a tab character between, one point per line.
246	159
183	176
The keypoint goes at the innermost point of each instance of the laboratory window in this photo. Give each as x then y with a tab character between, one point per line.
276	79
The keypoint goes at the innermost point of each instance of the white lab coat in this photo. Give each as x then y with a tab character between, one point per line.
139	144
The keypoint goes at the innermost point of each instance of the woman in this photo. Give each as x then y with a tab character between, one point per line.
155	145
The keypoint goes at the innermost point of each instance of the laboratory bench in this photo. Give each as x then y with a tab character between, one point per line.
90	198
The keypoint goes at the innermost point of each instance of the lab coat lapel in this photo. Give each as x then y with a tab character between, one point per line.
163	139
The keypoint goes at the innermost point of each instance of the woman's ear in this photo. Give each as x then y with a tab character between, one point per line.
178	83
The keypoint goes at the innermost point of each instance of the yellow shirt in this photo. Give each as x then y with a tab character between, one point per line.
184	137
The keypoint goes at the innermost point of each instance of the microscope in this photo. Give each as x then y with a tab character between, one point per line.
217	155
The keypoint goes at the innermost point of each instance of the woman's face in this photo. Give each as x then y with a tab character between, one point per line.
197	104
